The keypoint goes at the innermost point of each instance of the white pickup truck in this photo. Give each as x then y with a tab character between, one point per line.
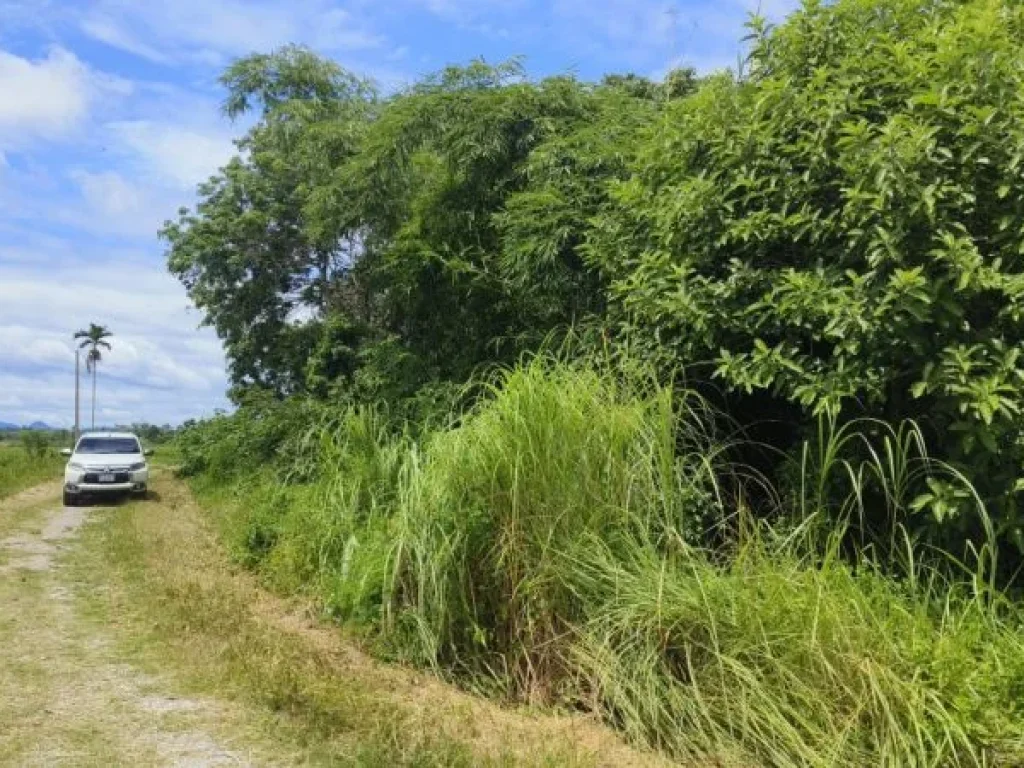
105	463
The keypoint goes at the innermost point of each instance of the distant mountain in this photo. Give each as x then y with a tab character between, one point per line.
6	426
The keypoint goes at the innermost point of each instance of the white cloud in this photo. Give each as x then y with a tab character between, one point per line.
616	35
207	31
161	368
178	155
463	9
109	193
636	23
47	96
115	415
339	30
108	203
490	18
107	30
135	294
48	396
31	346
653	35
139	359
123	178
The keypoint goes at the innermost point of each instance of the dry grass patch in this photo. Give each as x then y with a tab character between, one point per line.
66	695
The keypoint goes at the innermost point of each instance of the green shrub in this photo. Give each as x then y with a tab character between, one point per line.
35	443
841	230
226	445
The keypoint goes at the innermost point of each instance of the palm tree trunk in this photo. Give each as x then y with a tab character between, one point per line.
94	397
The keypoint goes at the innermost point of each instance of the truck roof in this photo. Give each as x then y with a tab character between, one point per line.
110	434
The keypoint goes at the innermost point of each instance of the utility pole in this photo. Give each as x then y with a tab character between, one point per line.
74	437
673	14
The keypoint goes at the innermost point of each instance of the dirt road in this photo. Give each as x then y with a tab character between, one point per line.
128	638
67	696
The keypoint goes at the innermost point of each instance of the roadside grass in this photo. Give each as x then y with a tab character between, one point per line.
155	574
20	470
17	672
166	454
28	714
548	549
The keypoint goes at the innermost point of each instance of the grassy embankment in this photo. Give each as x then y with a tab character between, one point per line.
549	550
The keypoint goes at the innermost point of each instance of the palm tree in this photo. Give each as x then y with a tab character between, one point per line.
94	339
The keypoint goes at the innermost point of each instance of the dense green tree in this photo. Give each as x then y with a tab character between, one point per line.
836	229
436	230
248	256
843	230
478	184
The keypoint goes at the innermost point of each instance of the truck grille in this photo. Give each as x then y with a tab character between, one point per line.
119	477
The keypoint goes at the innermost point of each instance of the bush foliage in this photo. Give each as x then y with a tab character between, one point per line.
842	229
22	467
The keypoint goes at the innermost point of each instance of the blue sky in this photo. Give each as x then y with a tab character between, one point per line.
109	116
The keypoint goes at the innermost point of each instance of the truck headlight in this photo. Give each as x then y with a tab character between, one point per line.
76	467
137	466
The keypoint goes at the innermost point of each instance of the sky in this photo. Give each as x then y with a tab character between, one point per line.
110	115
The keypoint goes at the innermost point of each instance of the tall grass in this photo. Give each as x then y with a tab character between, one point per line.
776	660
553	545
20	469
494	511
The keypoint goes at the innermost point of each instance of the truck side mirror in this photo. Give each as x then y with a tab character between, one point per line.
148	452
65	452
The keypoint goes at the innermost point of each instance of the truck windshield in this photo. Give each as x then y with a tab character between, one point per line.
108	445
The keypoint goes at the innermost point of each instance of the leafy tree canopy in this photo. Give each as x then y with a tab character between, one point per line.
441	224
